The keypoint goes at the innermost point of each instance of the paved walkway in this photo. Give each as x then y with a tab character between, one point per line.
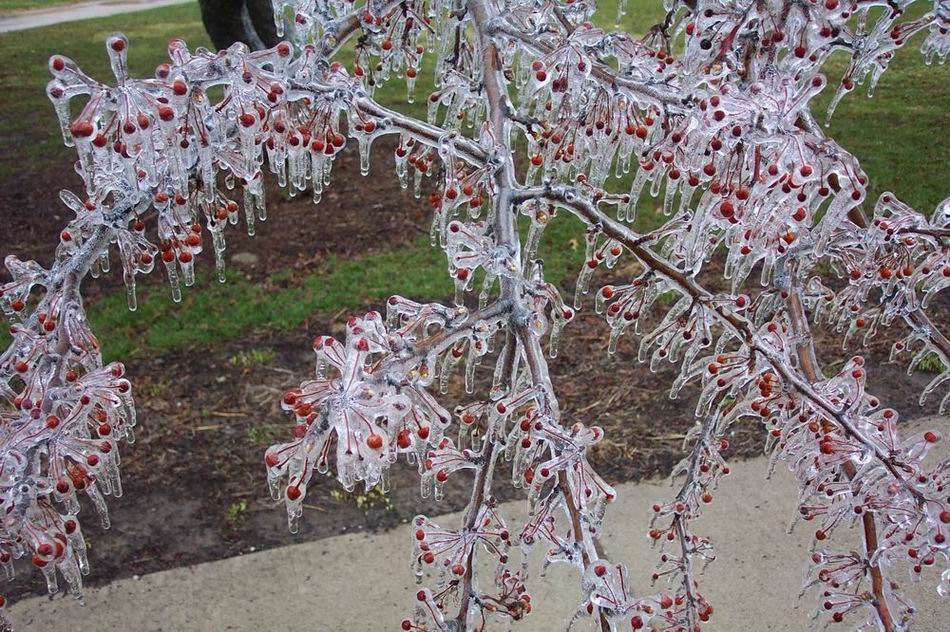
71	13
363	582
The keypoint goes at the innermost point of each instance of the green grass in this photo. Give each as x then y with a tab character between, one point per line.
212	312
253	358
898	135
888	134
29	122
931	363
237	511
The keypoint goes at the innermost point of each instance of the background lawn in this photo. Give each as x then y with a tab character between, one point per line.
899	136
28	114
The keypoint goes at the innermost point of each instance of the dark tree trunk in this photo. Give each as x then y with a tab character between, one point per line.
248	21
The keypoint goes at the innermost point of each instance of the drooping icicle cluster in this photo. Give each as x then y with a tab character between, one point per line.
64	417
711	111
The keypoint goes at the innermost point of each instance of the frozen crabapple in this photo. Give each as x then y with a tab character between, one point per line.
711	113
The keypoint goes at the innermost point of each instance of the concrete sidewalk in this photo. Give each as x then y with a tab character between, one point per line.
363	581
70	13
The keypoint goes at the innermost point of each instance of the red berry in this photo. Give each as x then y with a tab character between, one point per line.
81	129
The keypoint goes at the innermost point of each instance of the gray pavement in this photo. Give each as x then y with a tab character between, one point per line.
362	582
22	20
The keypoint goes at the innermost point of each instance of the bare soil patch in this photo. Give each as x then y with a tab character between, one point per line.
356	216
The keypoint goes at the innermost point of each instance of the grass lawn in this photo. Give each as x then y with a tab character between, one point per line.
24	73
906	120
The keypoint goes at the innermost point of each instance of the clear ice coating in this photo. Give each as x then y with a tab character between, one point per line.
711	113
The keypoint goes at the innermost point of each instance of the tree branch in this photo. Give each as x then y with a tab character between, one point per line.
809	364
590	214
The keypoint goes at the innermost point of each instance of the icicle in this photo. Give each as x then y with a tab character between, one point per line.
471	361
671	188
187	269
261	206
636	188
555	338
364	150
249	211
173	280
217	240
583	283
130	293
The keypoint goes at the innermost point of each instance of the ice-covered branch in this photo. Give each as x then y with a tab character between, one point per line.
724	130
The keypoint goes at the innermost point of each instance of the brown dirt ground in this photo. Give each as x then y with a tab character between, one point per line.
205	420
356	216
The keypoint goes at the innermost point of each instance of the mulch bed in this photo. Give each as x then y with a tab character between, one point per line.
194	480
